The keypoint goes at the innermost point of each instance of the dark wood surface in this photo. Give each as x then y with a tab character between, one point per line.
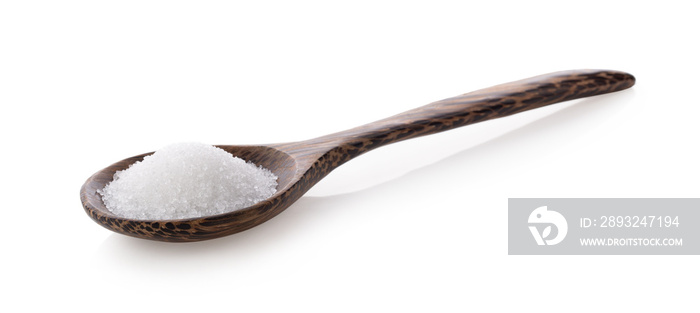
300	165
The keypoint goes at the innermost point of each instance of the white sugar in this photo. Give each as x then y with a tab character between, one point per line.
187	180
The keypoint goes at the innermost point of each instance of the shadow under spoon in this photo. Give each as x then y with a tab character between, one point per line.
300	165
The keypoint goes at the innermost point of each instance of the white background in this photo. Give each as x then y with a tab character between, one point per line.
413	227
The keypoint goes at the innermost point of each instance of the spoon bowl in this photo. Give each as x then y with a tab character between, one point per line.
300	165
280	163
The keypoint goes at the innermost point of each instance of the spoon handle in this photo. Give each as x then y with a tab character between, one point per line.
477	106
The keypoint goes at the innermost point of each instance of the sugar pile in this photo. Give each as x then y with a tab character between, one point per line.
187	180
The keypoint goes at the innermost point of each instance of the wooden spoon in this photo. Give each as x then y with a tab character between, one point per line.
300	165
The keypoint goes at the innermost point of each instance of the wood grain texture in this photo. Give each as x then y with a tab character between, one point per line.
300	165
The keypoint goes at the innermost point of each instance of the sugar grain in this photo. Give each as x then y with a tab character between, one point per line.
187	180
